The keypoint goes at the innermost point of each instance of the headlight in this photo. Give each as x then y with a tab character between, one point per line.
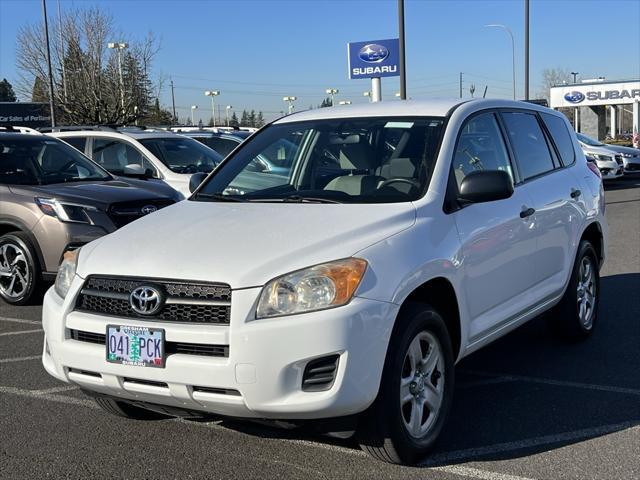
65	211
626	155
66	272
605	158
315	288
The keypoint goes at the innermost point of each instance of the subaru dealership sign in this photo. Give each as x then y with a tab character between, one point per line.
374	59
20	114
595	93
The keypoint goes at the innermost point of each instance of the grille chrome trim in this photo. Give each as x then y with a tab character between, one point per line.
185	301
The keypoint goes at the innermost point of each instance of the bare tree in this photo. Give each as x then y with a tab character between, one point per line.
552	77
90	91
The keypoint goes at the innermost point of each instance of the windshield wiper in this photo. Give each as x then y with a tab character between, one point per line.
219	197
294	199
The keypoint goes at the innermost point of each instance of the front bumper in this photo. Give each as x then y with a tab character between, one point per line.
610	170
263	370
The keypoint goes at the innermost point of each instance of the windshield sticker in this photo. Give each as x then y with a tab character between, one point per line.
399	125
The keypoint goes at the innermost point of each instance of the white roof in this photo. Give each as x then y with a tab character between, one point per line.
437	107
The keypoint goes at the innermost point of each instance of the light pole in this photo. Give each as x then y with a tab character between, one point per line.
290	100
119	46
513	53
213	94
344	102
575	74
227	108
333	92
193	109
46	36
367	94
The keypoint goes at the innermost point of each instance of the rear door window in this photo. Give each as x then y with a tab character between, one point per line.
561	137
529	144
76	142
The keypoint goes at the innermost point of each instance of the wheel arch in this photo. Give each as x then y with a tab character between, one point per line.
13	226
440	293
593	234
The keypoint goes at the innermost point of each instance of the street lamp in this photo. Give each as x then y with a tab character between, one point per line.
513	53
290	100
227	108
344	102
193	109
332	92
575	74
213	94
119	46
367	94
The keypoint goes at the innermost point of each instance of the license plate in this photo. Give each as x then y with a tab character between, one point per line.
135	346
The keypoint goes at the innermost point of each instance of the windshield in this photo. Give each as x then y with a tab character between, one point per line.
35	160
182	155
589	141
361	160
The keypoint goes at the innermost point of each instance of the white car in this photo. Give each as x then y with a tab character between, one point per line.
609	163
404	236
153	154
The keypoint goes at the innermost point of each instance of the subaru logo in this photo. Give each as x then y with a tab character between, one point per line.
146	300
147	209
373	53
574	97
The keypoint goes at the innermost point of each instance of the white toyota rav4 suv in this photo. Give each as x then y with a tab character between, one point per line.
404	236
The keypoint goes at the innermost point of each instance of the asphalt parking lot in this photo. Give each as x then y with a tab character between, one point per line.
530	406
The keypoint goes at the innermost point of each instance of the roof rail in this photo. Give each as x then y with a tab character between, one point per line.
74	128
19	129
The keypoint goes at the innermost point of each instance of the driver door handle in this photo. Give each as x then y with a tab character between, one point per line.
527	212
575	193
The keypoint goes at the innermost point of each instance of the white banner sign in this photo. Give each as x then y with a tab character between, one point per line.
595	94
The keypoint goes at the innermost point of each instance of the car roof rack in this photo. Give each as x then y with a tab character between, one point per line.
75	128
19	129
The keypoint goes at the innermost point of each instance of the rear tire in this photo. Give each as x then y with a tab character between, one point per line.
19	269
416	390
126	410
576	314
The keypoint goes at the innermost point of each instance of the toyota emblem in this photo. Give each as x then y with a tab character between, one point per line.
146	300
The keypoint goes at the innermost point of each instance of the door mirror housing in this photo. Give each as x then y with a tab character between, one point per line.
195	181
485	186
136	170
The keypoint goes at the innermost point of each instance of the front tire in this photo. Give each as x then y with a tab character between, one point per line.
576	314
19	269
416	390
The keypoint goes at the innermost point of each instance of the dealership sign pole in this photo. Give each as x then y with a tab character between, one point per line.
374	59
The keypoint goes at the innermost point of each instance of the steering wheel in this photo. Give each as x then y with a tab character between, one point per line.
62	169
409	181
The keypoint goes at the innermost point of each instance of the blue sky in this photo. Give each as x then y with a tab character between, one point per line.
255	52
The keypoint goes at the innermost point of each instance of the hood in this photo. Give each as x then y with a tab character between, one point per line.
619	149
597	150
242	244
99	194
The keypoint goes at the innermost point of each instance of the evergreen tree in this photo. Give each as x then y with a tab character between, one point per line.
39	92
325	103
252	118
6	91
234	120
260	120
244	120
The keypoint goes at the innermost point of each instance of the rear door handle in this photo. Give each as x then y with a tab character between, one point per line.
527	212
575	193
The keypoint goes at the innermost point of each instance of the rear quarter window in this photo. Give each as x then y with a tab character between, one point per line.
561	137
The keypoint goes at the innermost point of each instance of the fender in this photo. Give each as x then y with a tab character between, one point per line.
17	225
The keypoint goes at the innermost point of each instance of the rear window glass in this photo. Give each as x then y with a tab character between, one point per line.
529	144
561	137
76	142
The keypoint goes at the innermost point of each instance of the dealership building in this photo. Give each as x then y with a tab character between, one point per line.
600	107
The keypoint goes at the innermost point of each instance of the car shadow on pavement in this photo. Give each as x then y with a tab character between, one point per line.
531	391
630	180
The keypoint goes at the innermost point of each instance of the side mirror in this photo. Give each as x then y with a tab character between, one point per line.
195	181
485	186
134	169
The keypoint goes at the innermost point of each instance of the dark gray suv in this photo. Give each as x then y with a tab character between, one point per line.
52	200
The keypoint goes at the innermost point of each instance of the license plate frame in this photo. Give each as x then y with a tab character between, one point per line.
132	336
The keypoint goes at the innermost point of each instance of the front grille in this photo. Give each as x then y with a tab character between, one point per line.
171	348
320	373
184	302
633	166
123	213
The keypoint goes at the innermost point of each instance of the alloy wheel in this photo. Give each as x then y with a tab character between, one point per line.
15	272
586	291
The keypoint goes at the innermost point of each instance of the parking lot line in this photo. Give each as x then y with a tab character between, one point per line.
47	391
50	397
477	473
559	383
20	320
583	434
21	332
20	359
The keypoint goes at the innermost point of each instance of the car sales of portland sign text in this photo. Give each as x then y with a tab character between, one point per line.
374	59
